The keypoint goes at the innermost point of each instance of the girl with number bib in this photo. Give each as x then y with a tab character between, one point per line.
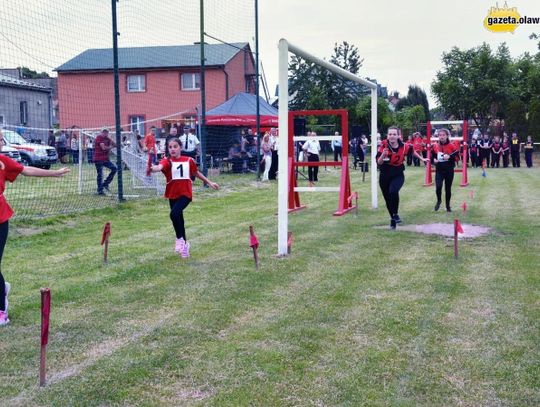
178	171
446	154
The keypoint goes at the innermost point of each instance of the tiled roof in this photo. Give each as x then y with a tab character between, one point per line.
153	57
12	81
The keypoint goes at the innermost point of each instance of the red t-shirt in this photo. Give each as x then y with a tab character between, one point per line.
178	176
395	156
12	170
150	143
99	153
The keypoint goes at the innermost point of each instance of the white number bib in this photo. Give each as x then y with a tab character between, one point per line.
180	170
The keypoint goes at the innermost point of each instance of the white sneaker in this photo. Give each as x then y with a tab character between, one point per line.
185	251
179	245
8	287
4	320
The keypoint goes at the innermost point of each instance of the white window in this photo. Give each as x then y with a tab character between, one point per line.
191	81
136	83
1	120
24	113
137	123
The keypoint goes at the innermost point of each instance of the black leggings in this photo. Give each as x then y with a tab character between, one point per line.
390	186
177	215
448	177
4	227
313	172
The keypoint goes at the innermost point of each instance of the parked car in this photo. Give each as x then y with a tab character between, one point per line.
32	154
11	152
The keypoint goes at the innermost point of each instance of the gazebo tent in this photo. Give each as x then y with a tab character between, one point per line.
240	110
224	123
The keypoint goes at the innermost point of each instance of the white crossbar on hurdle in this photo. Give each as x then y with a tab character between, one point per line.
316	189
318	138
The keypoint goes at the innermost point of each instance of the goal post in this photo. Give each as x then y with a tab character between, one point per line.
283	157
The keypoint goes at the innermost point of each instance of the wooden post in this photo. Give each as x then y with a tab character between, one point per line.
105	241
45	313
254	243
456	238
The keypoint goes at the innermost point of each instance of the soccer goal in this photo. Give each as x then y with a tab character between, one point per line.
284	162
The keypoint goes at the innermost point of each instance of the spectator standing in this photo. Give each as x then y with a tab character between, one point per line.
528	149
102	147
515	150
51	140
505	151
312	148
149	143
408	146
274	143
484	145
74	145
337	146
62	146
473	151
496	151
190	143
266	150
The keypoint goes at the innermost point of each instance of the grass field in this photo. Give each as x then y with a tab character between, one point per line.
357	315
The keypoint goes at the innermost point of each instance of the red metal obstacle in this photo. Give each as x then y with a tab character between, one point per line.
344	204
428	180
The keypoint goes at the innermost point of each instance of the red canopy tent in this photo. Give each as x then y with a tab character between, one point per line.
240	110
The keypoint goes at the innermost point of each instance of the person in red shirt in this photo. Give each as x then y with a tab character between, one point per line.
102	147
9	171
178	170
390	157
445	155
150	144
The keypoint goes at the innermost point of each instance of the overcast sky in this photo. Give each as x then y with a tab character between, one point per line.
401	42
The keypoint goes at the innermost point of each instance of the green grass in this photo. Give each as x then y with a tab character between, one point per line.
357	315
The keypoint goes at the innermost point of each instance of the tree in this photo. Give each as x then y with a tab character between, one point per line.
475	84
27	73
516	117
305	78
534	119
410	118
362	113
415	96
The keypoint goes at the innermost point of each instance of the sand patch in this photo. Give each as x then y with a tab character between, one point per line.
445	229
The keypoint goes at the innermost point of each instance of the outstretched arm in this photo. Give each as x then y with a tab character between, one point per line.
40	172
156	168
201	176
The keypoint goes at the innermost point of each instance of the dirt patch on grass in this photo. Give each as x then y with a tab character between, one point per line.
446	230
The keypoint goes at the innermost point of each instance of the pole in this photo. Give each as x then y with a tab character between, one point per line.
374	197
258	117
45	313
117	103
283	164
203	95
456	238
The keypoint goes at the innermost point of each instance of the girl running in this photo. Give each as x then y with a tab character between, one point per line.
392	152
445	154
178	171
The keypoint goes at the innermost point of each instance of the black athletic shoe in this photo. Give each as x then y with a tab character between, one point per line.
396	218
437	206
448	209
392	224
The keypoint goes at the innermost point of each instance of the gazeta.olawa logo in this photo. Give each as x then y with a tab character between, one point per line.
506	19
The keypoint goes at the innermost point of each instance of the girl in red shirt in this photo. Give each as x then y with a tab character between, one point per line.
390	157
178	171
445	154
9	170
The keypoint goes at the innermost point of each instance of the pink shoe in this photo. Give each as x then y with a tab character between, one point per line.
179	246
185	251
3	318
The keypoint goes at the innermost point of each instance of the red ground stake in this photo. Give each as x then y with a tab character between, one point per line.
471	194
464	207
457	229
254	244
105	241
45	312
